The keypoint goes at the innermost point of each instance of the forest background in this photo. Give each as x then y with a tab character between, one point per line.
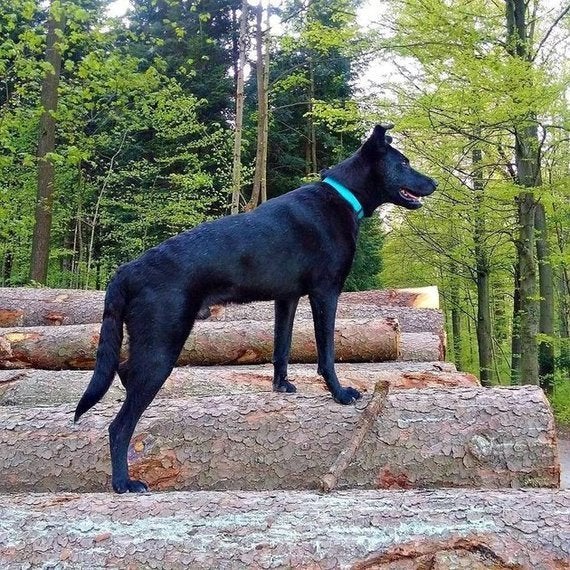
117	132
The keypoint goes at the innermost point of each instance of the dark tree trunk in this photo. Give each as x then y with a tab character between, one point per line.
46	145
456	324
527	159
484	332
546	282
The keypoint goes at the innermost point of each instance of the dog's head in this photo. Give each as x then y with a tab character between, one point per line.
378	173
393	176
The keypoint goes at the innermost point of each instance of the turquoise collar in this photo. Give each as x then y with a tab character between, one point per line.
347	195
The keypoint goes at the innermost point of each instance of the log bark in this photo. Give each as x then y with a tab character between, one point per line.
244	342
412	530
22	306
421	347
460	437
47	387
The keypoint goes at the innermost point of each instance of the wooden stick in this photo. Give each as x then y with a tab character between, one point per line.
367	420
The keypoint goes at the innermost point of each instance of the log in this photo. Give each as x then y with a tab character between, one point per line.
244	342
47	387
422	347
382	530
460	437
22	306
410	319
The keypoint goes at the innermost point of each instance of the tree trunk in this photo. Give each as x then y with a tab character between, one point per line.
210	343
311	148
23	306
49	388
484	332
516	336
273	441
381	530
546	287
236	170
46	145
527	159
260	175
455	309
564	309
529	307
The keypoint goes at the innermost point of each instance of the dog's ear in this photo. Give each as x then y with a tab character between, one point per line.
378	141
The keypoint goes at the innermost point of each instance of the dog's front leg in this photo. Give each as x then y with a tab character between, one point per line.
324	313
284	316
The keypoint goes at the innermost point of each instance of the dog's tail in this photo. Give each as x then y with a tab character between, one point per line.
108	352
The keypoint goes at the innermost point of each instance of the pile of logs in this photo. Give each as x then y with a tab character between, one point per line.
427	470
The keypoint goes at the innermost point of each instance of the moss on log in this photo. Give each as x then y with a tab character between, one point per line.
423	438
412	530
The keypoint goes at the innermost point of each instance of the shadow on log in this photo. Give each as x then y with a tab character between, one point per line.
499	530
461	437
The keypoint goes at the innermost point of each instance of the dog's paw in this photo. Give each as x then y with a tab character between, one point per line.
130	486
347	396
284	386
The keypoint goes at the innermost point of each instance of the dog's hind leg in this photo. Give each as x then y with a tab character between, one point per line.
284	317
323	306
153	354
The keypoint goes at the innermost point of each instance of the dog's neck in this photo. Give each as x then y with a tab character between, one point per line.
357	176
347	195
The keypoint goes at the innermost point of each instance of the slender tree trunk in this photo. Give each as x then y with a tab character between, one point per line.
46	145
260	176
311	149
484	332
546	283
516	336
265	124
236	171
564	309
455	302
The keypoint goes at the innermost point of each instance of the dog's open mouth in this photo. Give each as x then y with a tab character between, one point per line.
410	196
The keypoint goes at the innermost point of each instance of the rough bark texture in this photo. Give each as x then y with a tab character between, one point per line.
423	438
412	530
46	145
421	347
546	358
21	306
47	387
210	343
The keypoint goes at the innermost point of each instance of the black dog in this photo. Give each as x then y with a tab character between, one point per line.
302	243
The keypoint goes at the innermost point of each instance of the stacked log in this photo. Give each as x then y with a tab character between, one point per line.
24	306
32	387
423	438
382	530
239	462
